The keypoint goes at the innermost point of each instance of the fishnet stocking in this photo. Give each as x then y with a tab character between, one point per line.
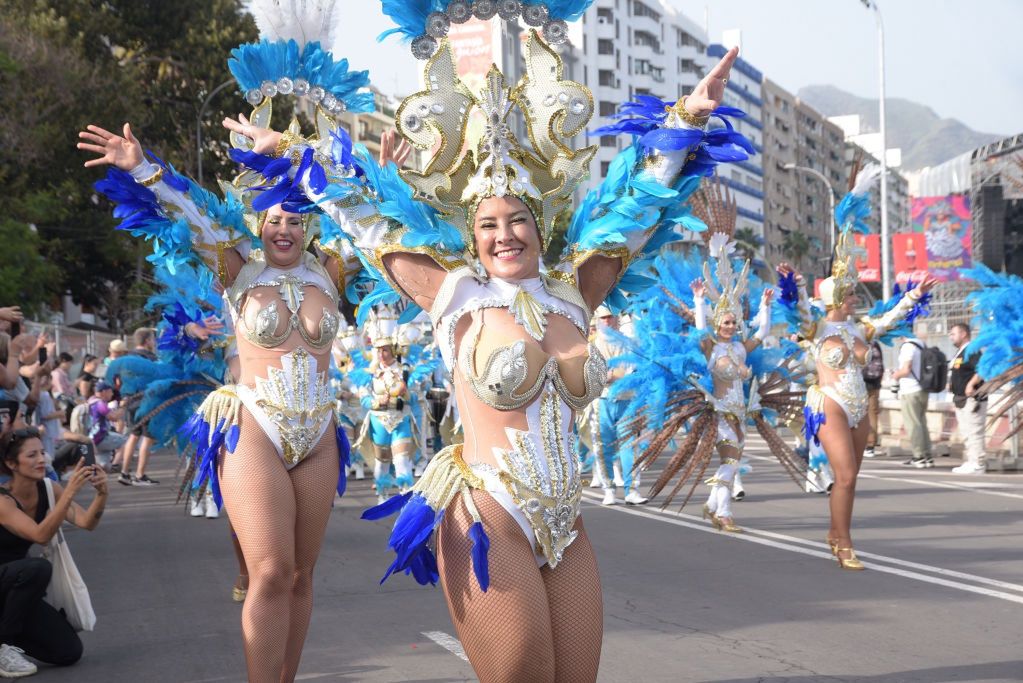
844	447
279	518
533	624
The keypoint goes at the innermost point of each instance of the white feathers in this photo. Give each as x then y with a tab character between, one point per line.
305	21
866	179
720	245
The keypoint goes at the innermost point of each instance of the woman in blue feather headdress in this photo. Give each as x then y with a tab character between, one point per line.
464	240
269	445
835	415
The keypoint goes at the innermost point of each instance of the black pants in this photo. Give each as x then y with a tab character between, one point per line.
26	621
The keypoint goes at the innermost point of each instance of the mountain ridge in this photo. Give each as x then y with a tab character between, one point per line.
926	138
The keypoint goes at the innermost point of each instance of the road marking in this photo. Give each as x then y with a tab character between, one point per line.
797	545
449	643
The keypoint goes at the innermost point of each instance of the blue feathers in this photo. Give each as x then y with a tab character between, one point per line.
410	16
480	548
344	451
812	423
255	63
998	309
904	328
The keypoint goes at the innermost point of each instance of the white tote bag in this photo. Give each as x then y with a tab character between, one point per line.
67	591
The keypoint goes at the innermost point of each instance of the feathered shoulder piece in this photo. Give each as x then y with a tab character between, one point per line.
290	59
904	326
425	22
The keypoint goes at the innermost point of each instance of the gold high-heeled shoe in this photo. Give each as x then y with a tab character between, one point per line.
707	514
831	544
852	562
238	594
728	525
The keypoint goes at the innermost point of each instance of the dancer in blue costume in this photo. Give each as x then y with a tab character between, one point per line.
836	406
464	240
284	455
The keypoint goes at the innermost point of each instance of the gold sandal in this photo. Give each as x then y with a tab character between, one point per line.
852	562
728	525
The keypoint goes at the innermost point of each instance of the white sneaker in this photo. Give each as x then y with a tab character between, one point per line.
595	482
360	470
813	482
381	499
869	453
609	497
12	664
199	507
969	468
212	512
633	498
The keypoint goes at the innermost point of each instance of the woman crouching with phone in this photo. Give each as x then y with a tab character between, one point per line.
28	625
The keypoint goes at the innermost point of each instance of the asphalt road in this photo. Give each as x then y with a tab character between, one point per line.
942	599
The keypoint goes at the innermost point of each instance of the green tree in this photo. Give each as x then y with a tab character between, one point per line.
747	243
796	246
26	278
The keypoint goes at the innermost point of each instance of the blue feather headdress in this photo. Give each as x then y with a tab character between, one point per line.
290	58
424	22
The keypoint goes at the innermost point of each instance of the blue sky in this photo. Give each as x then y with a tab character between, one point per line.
962	59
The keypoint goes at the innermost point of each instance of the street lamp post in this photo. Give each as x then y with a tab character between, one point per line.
831	195
198	125
886	273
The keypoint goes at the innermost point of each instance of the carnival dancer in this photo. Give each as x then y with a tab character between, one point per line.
611	445
283	455
836	407
388	423
352	366
464	240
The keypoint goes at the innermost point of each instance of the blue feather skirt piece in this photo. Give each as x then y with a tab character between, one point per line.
420	513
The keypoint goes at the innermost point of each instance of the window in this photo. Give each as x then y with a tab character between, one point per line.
641	10
607	108
605	166
608	141
607	78
605	46
605	15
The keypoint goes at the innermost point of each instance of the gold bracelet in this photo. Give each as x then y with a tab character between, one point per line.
286	141
153	179
685	115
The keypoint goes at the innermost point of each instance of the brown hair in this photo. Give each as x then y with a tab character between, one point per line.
10	446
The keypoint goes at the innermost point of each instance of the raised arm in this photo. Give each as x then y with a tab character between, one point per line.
794	295
905	310
323	173
156	202
20	524
642	199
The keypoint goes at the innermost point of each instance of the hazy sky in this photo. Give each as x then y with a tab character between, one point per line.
962	59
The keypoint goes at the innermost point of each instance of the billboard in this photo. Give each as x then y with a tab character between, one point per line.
941	241
869	265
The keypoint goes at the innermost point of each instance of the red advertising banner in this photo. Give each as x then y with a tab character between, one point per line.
869	268
941	242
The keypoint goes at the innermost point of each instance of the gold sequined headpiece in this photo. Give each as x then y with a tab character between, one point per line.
835	289
727	300
542	170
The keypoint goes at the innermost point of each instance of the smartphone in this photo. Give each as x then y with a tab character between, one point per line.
42	355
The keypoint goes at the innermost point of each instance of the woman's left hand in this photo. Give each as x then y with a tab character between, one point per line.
928	283
709	92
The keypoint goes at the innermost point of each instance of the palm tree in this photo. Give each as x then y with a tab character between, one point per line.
748	243
796	246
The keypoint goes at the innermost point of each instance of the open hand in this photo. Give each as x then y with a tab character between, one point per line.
123	152
767	296
709	92
389	151
264	140
697	287
11	314
927	284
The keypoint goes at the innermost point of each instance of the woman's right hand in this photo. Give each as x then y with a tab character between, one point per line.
264	140
784	269
123	152
697	287
11	314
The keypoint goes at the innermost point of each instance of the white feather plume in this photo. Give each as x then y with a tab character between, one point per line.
866	179
720	245
305	21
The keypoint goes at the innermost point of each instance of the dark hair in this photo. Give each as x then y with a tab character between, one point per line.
88	358
65	357
963	326
10	443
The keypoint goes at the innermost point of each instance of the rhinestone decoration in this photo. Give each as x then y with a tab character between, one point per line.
509	9
413	123
254	97
577	106
301	87
535	15
329	101
316	93
437	108
285	86
437	24
268	88
555	32
549	101
423	47
484	9
459	11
